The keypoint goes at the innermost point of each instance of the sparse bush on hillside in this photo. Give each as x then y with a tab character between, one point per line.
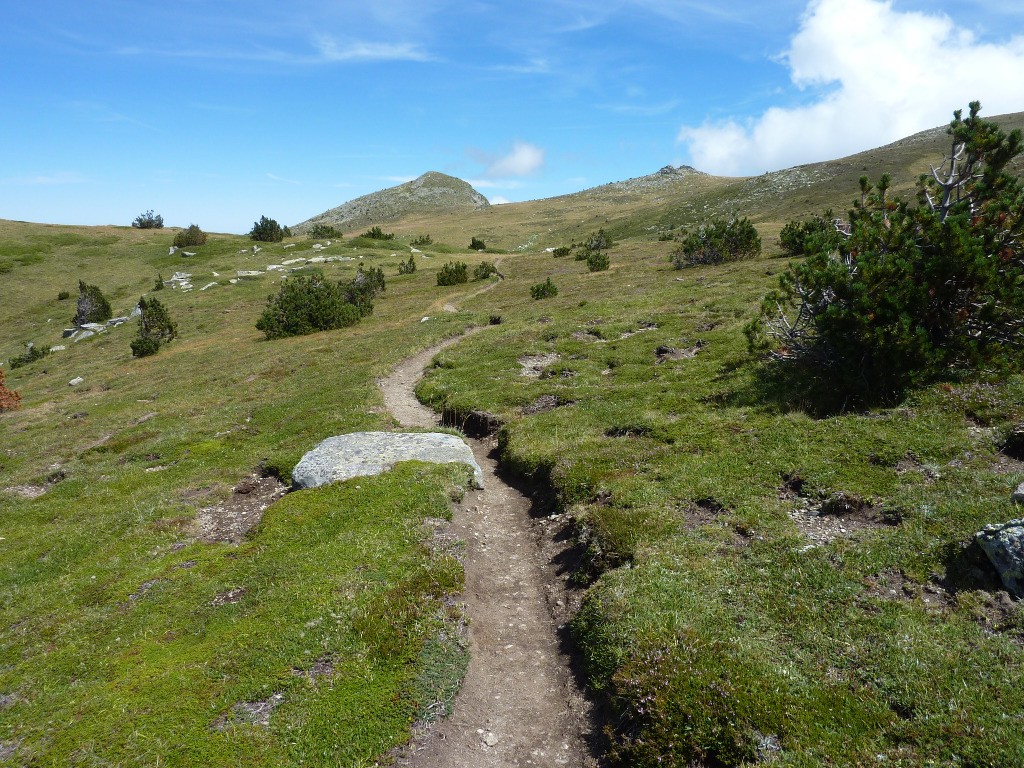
192	235
422	240
599	241
310	303
907	294
453	273
155	328
322	231
92	306
802	238
30	355
407	267
597	261
63	295
148	220
477	244
484	269
267	231
717	243
376	233
9	399
158	285
544	290
561	252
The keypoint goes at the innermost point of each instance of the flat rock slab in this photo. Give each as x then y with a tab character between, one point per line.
371	453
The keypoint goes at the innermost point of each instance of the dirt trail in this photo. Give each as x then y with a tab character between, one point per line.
519	704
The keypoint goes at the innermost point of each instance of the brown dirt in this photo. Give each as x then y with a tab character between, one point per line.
519	704
230	520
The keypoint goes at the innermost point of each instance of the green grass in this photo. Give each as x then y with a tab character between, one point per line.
710	626
710	632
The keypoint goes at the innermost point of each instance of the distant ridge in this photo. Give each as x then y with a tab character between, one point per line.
431	193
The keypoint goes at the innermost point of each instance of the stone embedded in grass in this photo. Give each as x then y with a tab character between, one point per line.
1018	495
372	453
1004	545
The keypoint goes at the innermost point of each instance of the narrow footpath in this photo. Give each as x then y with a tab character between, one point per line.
519	704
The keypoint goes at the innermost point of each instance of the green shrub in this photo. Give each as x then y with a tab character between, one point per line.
422	240
599	241
310	303
407	267
192	235
476	244
30	355
717	243
802	238
376	233
484	269
597	261
561	252
92	306
63	296
158	285
544	290
155	328
267	231
453	273
148	220
909	294
322	231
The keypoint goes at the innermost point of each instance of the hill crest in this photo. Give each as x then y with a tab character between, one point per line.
430	193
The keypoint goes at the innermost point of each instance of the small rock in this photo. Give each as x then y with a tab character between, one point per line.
70	332
290	245
83	335
188	253
171	250
75	381
58	348
424	319
248	272
1004	545
490	739
1017	497
208	285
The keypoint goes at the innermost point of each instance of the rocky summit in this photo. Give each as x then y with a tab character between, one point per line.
429	194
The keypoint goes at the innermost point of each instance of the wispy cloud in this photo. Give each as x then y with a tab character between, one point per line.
535	66
274	177
523	159
360	50
644	110
873	76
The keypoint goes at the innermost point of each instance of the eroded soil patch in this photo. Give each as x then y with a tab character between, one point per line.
230	520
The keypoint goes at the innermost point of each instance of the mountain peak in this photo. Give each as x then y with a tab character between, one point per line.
433	192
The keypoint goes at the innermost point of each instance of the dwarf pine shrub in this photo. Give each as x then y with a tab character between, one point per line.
376	233
477	244
30	355
267	231
544	290
407	267
155	328
321	231
597	261
900	294
92	306
192	235
148	220
718	242
484	269
453	273
422	240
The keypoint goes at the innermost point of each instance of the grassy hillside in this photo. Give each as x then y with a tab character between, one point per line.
755	583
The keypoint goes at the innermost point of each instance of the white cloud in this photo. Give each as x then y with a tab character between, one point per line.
357	50
522	160
500	200
877	74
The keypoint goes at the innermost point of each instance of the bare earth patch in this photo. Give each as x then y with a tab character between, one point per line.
249	713
26	491
534	365
230	520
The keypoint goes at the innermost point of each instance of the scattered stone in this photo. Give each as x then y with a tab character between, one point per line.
136	312
289	262
640	329
70	332
216	274
75	381
230	597
94	327
248	272
233	280
188	253
332	259
256	249
179	277
273	267
171	250
671	353
1017	497
490	739
372	453
424	319
290	245
414	250
82	335
116	321
1004	545
317	246
534	365
208	285
317	260
58	348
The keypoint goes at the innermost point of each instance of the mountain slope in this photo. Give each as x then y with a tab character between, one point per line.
432	194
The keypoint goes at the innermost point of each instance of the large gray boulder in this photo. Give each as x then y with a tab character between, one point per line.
1004	545
371	453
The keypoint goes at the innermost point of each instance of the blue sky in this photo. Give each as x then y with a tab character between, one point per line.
218	112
